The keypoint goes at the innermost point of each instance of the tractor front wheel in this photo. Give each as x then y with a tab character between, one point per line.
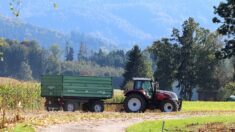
134	103
168	106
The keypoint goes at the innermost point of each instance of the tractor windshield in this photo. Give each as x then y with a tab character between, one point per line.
147	87
143	84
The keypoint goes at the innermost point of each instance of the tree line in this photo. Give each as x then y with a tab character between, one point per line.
26	60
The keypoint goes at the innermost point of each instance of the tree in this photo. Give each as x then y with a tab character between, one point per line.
165	56
25	72
36	59
206	64
82	53
100	58
188	58
14	54
226	13
69	53
116	58
135	66
185	72
52	64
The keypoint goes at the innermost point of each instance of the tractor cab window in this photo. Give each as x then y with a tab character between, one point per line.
138	85
147	85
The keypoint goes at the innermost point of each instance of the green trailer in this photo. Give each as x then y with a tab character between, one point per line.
73	92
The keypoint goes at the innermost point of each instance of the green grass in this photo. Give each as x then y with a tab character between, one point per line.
21	127
179	124
208	106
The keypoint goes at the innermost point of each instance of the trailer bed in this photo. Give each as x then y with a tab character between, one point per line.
76	86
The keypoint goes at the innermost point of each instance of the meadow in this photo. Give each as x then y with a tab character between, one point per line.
198	124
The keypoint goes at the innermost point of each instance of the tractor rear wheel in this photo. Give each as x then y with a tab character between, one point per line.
134	103
168	106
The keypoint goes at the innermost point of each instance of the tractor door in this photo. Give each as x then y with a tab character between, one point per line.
147	86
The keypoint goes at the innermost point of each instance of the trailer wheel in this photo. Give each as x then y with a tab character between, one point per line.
70	106
96	106
53	108
134	103
52	104
168	106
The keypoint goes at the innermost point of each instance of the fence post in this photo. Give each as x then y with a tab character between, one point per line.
163	126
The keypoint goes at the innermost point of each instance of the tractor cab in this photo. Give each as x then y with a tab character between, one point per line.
144	85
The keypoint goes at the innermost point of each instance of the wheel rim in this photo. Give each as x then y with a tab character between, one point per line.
134	104
97	108
168	107
70	107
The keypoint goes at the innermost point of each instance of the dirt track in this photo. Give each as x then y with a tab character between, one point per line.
116	124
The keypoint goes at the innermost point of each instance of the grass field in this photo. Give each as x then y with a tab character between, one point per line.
192	124
208	106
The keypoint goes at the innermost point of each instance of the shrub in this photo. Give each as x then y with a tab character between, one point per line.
227	90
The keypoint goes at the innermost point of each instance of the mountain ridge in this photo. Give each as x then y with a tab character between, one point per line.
18	30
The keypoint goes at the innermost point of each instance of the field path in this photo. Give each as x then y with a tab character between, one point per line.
114	124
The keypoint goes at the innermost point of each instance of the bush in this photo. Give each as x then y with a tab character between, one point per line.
129	85
118	97
227	90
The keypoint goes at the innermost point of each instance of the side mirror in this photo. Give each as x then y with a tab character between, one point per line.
156	84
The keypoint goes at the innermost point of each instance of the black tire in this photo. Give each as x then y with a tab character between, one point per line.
135	103
169	106
96	106
52	108
52	104
70	106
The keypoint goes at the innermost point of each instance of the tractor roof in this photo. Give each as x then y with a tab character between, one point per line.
140	78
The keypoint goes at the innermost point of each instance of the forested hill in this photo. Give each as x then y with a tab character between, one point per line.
14	29
17	30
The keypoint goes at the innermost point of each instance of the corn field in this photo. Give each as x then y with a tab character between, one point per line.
17	96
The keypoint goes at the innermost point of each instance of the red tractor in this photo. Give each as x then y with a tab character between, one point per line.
145	95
